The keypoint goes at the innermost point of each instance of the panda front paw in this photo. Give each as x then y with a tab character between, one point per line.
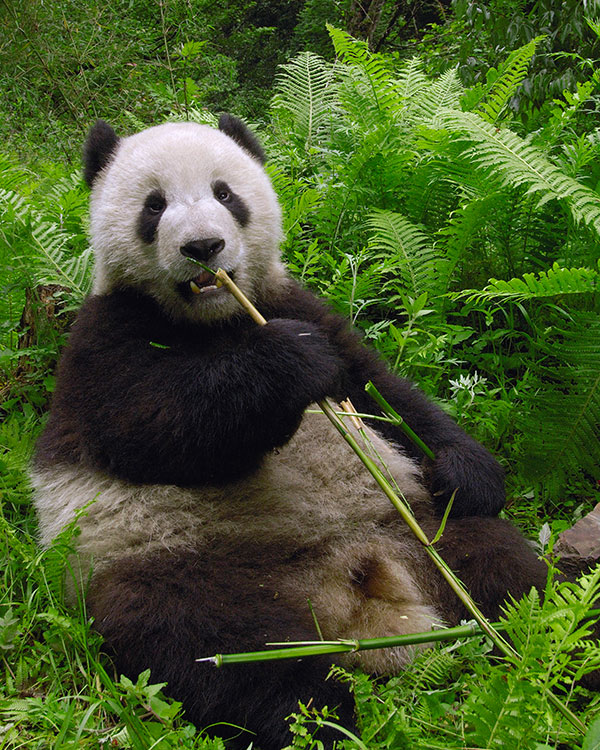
301	354
473	473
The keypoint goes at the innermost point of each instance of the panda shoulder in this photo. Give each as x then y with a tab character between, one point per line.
292	300
118	315
295	301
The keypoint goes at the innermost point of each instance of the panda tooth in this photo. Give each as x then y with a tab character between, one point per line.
207	288
195	288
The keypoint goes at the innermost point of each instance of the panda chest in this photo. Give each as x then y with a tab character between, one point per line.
312	491
316	486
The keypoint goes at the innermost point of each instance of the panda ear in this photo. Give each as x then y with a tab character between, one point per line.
242	135
99	147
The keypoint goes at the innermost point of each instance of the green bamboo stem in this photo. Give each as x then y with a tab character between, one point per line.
412	523
345	645
224	280
377	474
396	419
453	581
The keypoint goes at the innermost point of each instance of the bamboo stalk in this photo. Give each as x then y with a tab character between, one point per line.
224	280
345	645
396	419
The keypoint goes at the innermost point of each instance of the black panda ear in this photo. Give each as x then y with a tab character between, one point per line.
99	147
242	135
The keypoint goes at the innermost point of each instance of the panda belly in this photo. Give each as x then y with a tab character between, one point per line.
320	521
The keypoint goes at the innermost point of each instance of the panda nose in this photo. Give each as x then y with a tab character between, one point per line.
202	249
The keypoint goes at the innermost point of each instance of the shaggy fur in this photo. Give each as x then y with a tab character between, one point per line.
216	506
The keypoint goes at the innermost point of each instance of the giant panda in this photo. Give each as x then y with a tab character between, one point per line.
215	512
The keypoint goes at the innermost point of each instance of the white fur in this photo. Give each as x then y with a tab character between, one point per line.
312	488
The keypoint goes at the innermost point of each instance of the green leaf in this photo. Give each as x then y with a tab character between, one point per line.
305	88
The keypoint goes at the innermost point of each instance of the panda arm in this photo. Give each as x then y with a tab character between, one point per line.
461	462
204	405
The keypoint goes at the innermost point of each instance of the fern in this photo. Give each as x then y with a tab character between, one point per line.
356	53
443	93
304	89
395	236
552	283
552	640
411	80
35	245
521	164
510	77
509	715
53	264
45	247
12	175
568	406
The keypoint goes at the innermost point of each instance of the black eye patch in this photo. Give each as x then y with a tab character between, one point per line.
149	217
232	202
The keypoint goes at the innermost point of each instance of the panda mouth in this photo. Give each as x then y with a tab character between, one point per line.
203	284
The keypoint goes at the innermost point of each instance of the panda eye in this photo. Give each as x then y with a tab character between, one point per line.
230	200
222	192
155	204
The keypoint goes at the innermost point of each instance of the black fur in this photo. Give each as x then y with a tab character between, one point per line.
227	395
233	202
461	462
150	215
490	556
242	135
99	148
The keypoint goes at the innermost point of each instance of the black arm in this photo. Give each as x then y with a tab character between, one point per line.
203	408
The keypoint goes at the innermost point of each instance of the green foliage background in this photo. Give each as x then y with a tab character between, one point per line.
440	186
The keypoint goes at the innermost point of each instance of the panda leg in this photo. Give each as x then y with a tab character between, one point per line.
166	610
493	559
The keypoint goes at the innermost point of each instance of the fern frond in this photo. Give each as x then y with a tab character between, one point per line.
512	74
298	202
37	250
11	201
396	237
498	714
411	80
443	93
552	283
304	88
552	641
354	52
12	175
520	164
54	266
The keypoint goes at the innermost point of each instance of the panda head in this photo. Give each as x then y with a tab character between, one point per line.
180	191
